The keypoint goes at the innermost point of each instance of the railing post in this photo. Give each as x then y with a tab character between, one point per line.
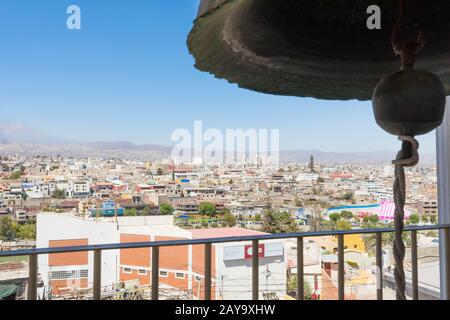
447	257
300	270
97	274
414	266
155	273
32	277
341	274
379	262
255	270
443	182
208	271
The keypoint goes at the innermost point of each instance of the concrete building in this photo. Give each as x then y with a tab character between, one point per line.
427	208
181	268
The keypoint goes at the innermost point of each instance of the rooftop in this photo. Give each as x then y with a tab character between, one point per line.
223	232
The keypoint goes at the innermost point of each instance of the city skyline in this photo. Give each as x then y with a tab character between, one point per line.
127	76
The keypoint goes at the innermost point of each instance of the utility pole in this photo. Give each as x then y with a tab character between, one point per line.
173	170
222	289
98	209
115	211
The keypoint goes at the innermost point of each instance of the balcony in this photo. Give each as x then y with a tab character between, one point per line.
98	292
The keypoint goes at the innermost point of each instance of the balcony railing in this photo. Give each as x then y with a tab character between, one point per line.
156	245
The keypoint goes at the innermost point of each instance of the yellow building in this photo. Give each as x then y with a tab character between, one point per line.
352	242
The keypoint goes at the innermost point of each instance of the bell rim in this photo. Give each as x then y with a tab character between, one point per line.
244	71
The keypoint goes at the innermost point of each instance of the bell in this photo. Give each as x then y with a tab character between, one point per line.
321	48
325	49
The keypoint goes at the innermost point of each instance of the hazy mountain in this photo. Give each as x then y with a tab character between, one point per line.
126	145
17	138
383	156
156	152
16	132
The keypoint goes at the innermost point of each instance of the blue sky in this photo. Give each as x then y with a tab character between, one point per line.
127	75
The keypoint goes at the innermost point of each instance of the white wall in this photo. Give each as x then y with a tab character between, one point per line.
145	220
237	274
63	227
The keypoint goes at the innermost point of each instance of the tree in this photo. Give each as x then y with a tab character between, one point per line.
292	286
433	219
258	217
59	194
207	209
374	218
16	175
414	219
425	219
166	209
349	196
224	211
25	231
335	217
278	222
269	221
131	212
10	230
347	215
146	211
343	225
7	232
229	219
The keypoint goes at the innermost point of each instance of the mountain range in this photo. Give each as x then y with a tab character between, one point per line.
17	138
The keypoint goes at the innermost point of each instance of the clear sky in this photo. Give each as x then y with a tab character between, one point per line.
127	76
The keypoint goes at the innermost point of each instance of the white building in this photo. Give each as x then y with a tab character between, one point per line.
180	267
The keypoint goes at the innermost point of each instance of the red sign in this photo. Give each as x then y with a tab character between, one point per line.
249	251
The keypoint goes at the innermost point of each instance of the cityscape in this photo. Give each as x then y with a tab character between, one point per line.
51	201
224	157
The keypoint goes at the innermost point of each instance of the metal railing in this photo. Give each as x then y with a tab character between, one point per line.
156	245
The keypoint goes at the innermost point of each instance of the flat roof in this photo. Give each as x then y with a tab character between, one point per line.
156	230
223	232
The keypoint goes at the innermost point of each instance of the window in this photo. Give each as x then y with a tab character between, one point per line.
163	274
126	270
142	272
198	279
179	275
68	274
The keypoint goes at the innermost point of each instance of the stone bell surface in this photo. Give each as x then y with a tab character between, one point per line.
321	49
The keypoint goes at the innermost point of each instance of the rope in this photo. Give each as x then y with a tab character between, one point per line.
408	156
406	49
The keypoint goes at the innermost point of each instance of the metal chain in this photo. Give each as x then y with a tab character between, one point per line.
408	156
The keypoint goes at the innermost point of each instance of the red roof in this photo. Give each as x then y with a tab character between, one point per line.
338	175
223	233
